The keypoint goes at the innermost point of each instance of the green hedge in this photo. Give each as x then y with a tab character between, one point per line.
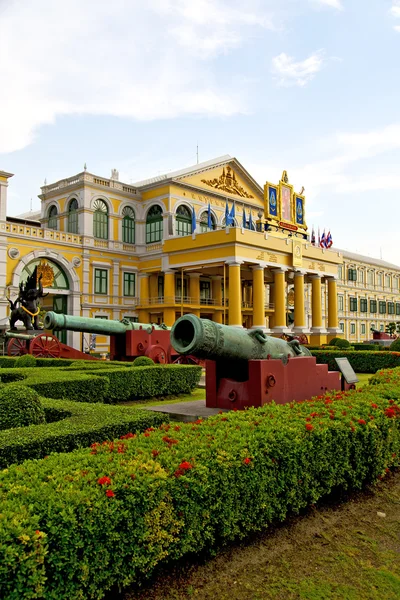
362	362
52	383
148	382
75	525
71	425
108	384
7	362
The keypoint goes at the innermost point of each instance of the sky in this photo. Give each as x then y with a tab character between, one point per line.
309	86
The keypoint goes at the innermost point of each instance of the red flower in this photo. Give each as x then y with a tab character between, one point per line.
104	481
362	422
390	413
247	460
146	434
155	453
110	494
185	466
373	405
309	427
314	414
127	436
332	416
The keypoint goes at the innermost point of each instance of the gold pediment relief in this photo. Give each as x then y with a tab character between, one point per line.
227	182
47	273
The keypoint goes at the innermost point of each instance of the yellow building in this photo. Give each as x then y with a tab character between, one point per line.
159	248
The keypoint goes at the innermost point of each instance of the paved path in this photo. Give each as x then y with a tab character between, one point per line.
186	411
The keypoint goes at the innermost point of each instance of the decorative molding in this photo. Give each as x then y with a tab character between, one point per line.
227	183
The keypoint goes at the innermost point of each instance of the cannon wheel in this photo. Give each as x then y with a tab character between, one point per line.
186	360
45	346
16	347
158	354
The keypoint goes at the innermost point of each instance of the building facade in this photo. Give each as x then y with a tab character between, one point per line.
206	240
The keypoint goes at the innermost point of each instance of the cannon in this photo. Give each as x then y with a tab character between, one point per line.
128	340
41	345
249	368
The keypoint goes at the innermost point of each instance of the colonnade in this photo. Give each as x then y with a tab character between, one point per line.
278	297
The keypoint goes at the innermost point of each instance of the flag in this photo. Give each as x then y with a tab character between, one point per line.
251	225
323	242
193	220
209	220
319	238
244	222
232	215
313	236
329	240
227	217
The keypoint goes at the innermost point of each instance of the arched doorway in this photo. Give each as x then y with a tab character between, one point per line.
55	284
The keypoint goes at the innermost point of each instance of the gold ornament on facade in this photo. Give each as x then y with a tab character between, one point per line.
227	183
285	177
47	273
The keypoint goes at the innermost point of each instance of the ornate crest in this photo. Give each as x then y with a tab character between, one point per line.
290	297
47	273
227	183
285	177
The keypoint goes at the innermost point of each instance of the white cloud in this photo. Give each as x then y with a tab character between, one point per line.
289	72
140	60
332	3
395	9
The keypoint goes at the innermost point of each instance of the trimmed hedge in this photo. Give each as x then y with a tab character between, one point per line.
142	361
71	425
362	362
7	362
26	360
80	387
19	406
108	384
395	345
152	381
74	525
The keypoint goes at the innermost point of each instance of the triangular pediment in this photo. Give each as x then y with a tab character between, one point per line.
228	179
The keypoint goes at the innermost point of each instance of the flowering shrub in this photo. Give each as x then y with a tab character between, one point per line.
74	525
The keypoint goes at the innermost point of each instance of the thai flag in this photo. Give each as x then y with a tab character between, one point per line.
193	220
323	241
209	220
313	236
329	240
319	238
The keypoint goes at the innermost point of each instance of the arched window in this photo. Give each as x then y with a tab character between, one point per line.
100	220
128	225
183	220
234	224
52	224
204	222
154	225
53	276
73	216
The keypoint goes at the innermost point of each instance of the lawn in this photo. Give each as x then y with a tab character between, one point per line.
342	549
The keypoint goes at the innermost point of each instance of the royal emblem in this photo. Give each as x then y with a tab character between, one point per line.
227	183
47	273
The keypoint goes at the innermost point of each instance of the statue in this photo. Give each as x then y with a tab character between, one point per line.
28	309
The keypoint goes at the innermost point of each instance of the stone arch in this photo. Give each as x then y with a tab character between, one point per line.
68	268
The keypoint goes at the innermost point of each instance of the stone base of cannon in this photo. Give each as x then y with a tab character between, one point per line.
268	380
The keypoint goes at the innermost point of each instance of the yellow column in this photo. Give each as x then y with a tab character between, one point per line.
271	320
332	304
144	316
194	292
217	296
258	297
299	314
316	302
279	300
235	296
169	298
